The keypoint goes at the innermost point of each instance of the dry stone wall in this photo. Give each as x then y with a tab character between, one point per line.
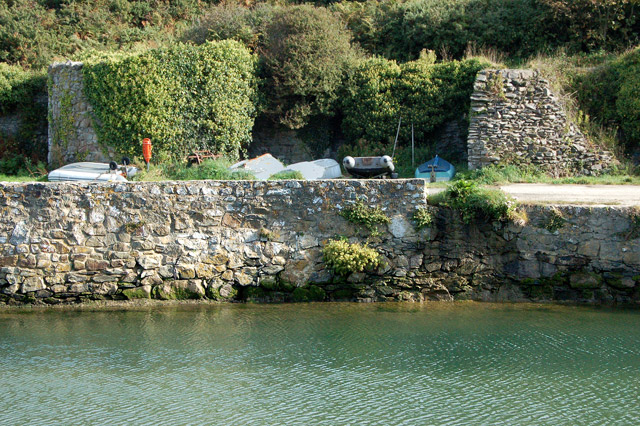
262	241
71	134
516	119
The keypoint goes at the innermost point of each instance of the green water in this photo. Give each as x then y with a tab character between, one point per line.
322	364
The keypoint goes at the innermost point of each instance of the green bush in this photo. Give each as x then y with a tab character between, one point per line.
610	95
306	51
421	92
183	98
345	258
475	203
233	21
399	29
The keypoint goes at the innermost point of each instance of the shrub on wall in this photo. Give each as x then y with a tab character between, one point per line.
183	98
380	91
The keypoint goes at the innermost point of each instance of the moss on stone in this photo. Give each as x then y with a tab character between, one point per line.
585	280
270	284
255	294
308	294
135	293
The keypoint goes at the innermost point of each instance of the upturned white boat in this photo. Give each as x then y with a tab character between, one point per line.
92	172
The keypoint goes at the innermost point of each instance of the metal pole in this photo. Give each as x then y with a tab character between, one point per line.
413	155
394	144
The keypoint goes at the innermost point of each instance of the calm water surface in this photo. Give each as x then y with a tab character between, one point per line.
322	364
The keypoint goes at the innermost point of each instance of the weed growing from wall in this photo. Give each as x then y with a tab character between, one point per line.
554	220
345	258
422	218
369	217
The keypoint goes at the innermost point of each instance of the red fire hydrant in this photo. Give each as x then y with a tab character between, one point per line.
146	151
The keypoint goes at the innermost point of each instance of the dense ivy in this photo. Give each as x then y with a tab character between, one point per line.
183	98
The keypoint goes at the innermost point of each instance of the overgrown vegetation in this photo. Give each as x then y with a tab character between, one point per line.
345	258
365	63
474	202
361	214
183	98
424	93
22	94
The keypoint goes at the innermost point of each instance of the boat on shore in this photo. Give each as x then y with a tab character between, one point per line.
93	172
370	167
436	170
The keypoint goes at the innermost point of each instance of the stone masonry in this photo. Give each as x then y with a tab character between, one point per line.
71	134
516	119
262	241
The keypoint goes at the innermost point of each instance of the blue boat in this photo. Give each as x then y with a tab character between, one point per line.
436	170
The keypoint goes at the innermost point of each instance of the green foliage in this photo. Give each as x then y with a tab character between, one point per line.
474	202
587	25
183	98
34	32
611	95
422	218
305	54
23	93
345	258
361	214
287	175
225	21
519	28
208	170
421	92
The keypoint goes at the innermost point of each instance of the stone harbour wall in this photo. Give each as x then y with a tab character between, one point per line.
71	134
262	241
516	119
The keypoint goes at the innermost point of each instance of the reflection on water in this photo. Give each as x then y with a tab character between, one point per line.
322	364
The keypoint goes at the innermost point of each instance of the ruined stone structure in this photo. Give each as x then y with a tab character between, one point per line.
71	134
251	240
516	119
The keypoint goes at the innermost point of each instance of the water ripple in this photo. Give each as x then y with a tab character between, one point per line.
326	364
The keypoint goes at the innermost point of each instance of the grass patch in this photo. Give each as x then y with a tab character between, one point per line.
209	170
505	174
287	175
